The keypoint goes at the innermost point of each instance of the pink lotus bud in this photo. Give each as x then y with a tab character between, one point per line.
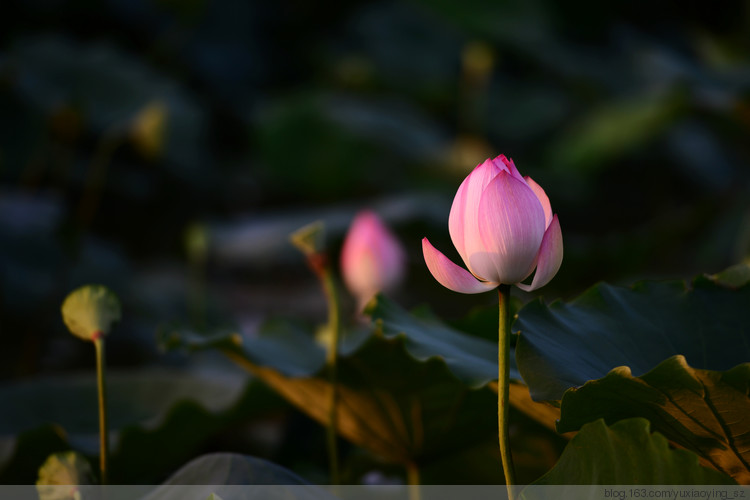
372	259
503	228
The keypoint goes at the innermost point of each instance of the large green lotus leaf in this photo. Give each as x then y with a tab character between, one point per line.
625	453
472	359
398	407
142	397
288	347
157	419
701	410
564	345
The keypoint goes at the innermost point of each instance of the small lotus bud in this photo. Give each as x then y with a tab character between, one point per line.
372	259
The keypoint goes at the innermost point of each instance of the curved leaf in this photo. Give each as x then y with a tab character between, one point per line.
701	410
398	407
232	469
624	453
734	276
221	474
471	359
287	347
141	397
564	345
158	419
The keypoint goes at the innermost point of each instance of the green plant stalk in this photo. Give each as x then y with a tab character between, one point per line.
414	481
334	326
102	389
503	384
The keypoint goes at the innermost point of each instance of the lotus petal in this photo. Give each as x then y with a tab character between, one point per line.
511	227
449	274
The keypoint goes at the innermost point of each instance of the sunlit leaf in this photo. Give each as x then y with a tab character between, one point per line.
735	276
398	407
703	411
627	453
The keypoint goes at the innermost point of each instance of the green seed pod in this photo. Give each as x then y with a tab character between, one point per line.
60	475
90	311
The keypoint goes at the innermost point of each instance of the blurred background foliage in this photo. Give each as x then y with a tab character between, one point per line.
167	149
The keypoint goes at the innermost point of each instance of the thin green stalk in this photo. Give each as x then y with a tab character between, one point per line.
334	326
503	381
414	481
102	389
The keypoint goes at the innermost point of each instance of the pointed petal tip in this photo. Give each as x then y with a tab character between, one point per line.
449	274
507	165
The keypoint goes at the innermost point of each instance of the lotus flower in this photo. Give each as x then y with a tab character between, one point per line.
372	259
503	228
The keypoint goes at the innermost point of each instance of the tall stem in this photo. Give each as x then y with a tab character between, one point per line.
334	326
102	389
503	381
414	481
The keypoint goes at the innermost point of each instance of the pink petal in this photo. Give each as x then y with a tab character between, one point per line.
449	274
512	227
372	259
543	199
550	257
508	165
463	222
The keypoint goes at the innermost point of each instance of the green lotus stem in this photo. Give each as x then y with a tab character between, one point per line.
413	479
102	389
334	326
503	381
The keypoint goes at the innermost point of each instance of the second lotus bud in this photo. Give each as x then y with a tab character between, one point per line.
372	259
